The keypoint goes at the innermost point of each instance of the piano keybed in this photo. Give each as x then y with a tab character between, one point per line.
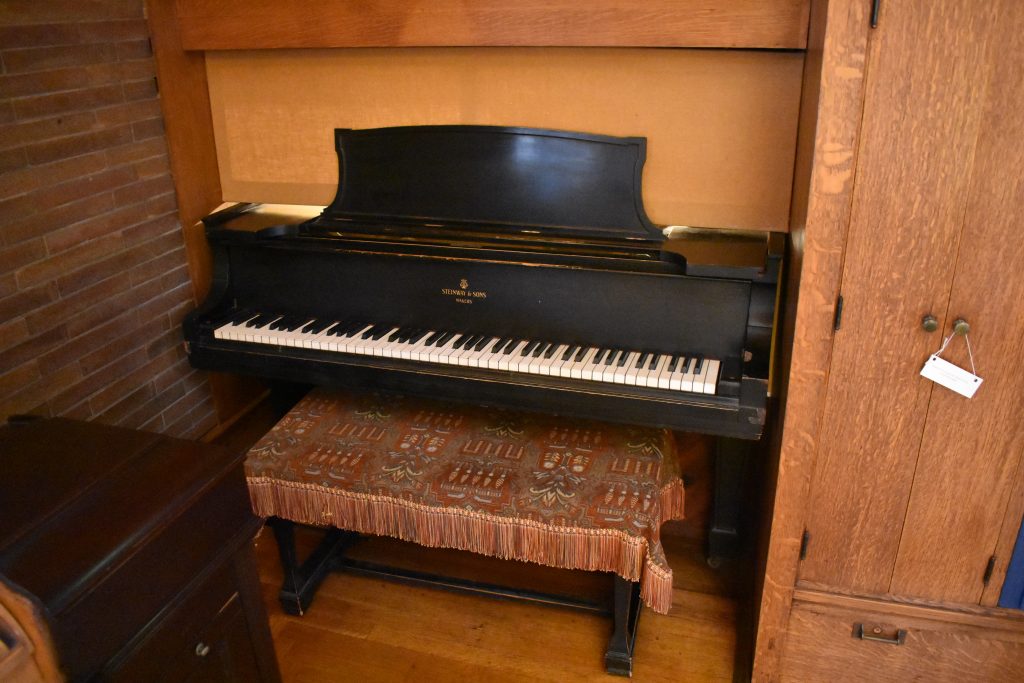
690	374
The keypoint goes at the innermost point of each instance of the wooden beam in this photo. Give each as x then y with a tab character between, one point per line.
185	101
262	24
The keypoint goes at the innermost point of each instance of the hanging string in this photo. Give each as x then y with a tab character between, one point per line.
970	353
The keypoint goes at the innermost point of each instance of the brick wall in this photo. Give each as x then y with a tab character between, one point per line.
93	281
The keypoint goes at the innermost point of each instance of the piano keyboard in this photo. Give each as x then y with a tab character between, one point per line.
673	372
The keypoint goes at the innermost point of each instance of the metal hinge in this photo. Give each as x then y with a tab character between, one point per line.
804	540
837	319
876	7
989	568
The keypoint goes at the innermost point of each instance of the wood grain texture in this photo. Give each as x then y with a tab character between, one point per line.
721	125
925	83
185	101
381	631
972	448
821	647
261	24
823	187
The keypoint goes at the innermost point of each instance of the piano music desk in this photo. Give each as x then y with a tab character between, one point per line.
565	493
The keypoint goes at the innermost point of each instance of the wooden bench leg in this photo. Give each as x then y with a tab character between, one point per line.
618	659
302	580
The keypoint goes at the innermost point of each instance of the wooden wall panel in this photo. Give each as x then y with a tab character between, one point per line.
925	84
261	24
972	448
721	126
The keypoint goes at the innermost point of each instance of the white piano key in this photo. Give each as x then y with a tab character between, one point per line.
629	367
658	379
507	360
593	367
609	369
687	380
551	365
576	368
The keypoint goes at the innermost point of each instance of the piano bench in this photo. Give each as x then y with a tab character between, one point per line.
561	492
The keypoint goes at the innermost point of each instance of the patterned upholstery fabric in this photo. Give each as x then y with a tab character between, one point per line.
561	492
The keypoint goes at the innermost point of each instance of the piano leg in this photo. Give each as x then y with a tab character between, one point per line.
618	659
302	580
732	459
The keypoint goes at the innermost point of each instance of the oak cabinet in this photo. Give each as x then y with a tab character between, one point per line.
912	481
897	501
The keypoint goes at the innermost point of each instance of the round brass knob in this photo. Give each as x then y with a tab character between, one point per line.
929	323
961	327
202	649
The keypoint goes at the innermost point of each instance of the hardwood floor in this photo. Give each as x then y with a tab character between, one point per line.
367	630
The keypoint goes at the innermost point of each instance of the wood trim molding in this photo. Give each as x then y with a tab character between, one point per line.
830	117
995	619
185	101
263	24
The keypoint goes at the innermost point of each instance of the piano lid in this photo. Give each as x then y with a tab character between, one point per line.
516	180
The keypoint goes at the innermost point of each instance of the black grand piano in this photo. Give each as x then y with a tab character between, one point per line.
511	266
506	266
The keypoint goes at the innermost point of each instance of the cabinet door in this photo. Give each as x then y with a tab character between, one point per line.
972	448
926	81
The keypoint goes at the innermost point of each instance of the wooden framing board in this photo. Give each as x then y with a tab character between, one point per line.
263	24
830	118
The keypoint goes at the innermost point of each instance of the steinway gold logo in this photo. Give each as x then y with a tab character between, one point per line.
464	295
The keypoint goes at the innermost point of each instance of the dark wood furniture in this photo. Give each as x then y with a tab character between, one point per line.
136	551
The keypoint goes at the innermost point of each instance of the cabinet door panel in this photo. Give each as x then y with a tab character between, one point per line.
972	448
925	83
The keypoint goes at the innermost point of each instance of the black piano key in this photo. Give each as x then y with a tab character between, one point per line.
699	366
528	349
471	342
432	339
444	339
673	363
568	352
623	356
510	347
396	335
297	322
240	317
418	335
370	331
259	320
460	340
655	359
599	356
479	346
541	346
499	345
308	327
580	354
347	329
550	351
612	355
641	360
379	334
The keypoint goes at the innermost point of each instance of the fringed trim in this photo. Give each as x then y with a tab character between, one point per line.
507	538
672	501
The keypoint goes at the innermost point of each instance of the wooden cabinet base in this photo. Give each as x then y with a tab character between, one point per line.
832	640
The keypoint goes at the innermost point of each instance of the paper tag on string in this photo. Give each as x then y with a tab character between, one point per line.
950	376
